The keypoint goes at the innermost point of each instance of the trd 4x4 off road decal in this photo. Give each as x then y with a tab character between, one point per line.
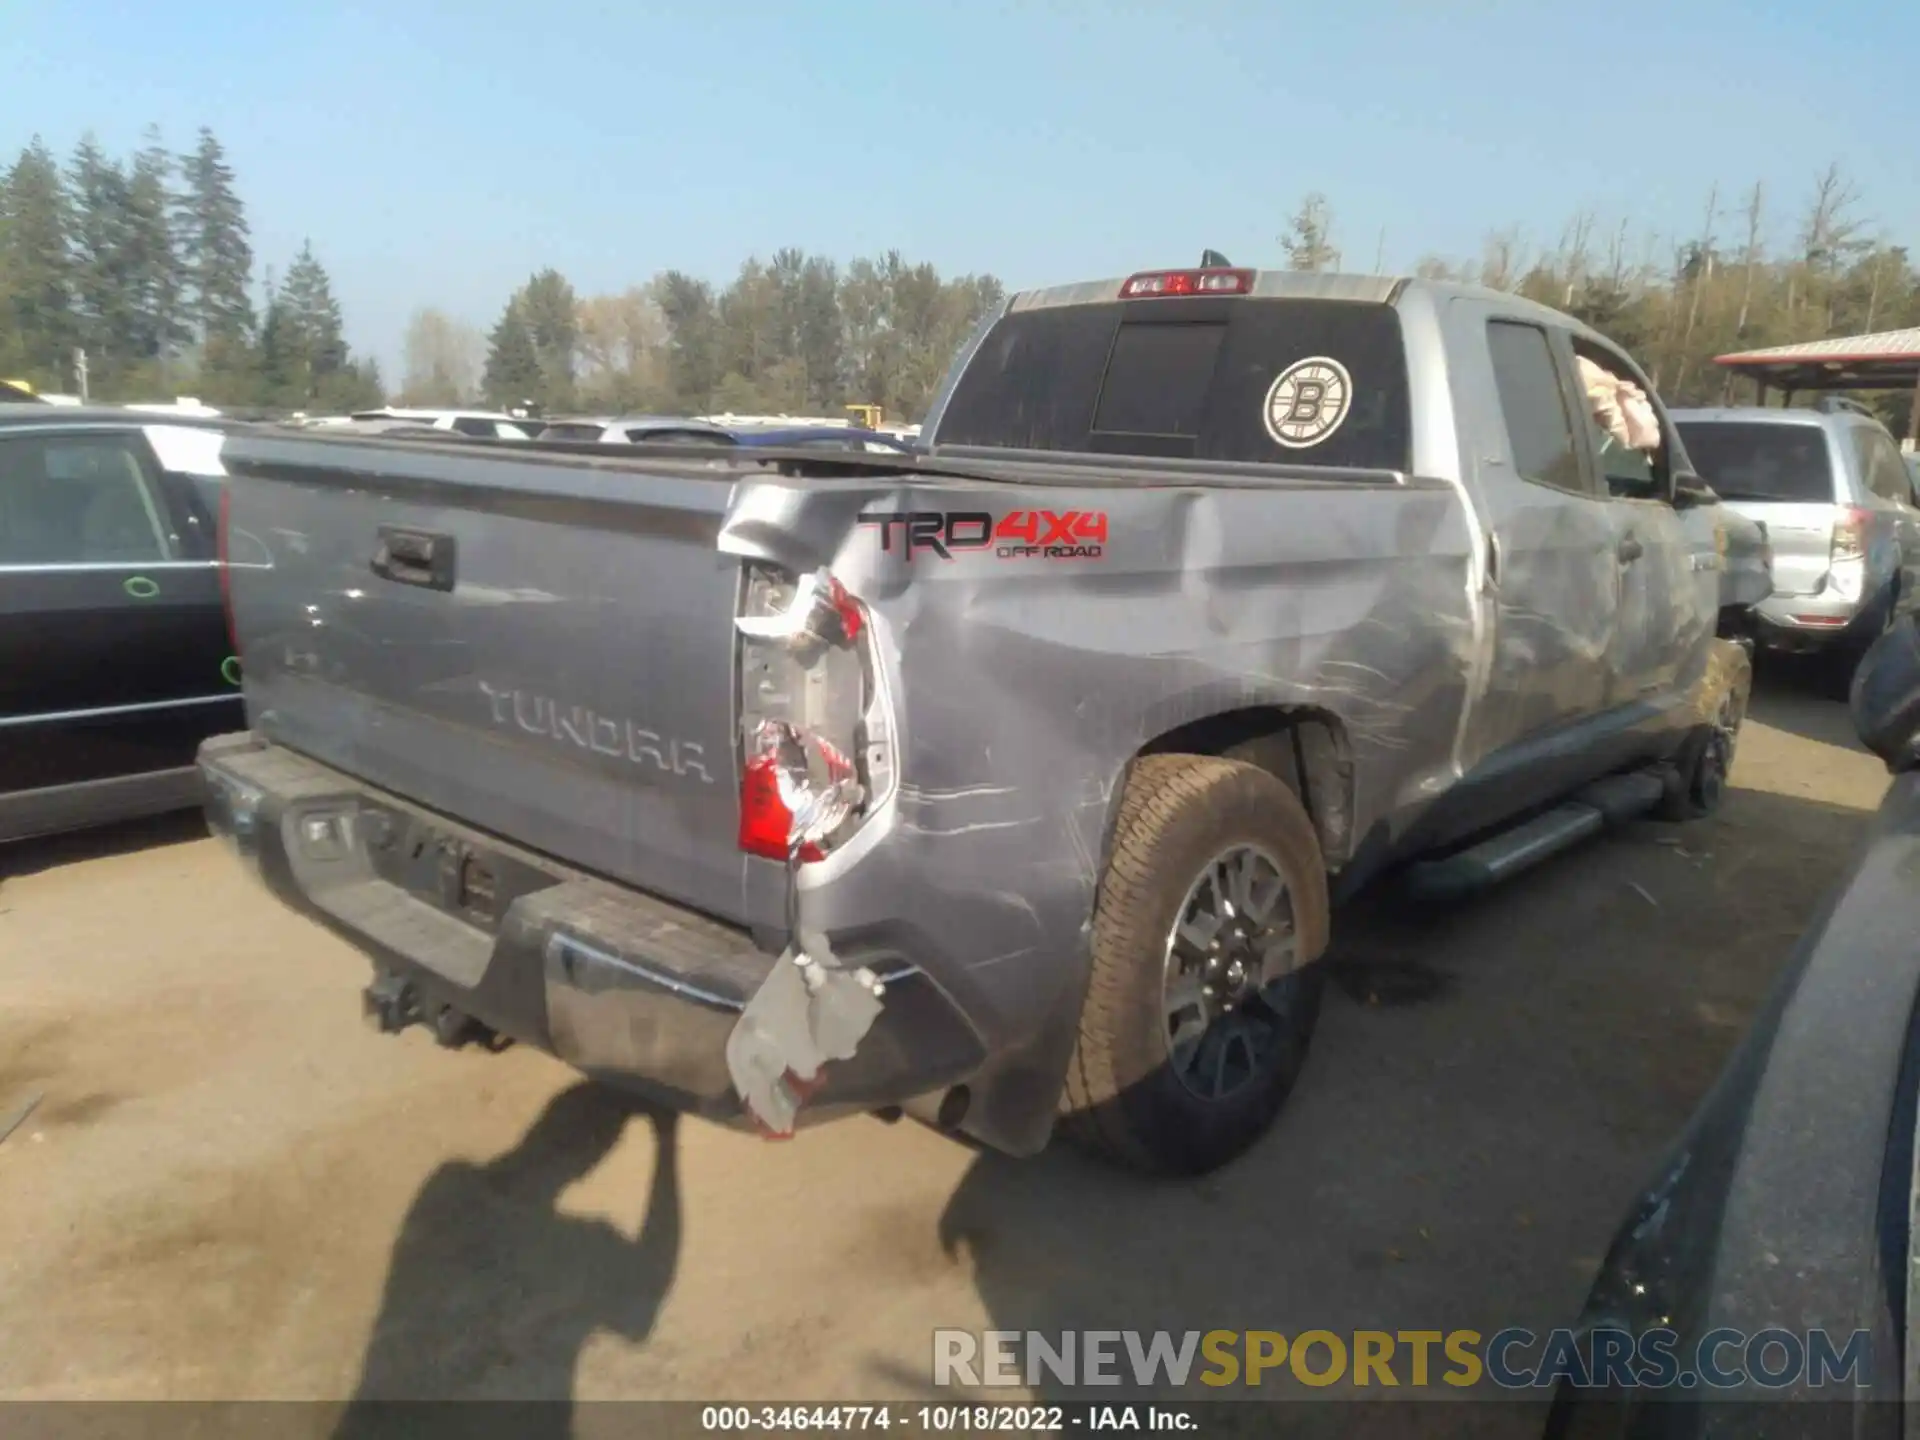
1017	535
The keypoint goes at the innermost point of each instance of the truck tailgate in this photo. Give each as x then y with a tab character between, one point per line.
542	649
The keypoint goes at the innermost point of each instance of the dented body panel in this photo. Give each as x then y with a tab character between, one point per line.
1453	642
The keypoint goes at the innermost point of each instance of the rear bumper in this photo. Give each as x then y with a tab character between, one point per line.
1817	622
622	985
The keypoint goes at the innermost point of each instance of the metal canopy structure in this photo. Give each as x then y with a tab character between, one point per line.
1888	360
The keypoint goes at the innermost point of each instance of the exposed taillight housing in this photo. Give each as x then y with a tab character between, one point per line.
816	734
1153	284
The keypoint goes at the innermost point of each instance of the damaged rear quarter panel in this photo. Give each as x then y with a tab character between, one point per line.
1023	687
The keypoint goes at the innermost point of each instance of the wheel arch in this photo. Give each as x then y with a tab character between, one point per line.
1306	747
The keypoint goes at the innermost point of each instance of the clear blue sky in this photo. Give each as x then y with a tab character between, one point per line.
438	153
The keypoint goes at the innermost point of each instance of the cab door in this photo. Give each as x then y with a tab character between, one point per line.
1668	563
110	616
1553	579
1553	537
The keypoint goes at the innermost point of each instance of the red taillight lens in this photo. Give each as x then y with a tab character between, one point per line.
1157	283
226	573
796	790
766	823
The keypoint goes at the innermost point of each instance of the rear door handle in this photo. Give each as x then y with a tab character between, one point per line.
414	557
1630	549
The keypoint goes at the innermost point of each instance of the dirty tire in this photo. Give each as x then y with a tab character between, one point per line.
1844	661
1701	768
1123	1099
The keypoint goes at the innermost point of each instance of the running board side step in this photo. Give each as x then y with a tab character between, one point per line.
1612	801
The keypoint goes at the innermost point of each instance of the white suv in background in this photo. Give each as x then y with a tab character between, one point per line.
1840	506
486	424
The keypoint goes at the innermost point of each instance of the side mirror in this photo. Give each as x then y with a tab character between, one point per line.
1885	697
1690	490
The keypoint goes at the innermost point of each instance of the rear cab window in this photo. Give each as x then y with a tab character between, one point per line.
1241	379
1761	461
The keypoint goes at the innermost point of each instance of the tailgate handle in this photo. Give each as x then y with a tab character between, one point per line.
414	557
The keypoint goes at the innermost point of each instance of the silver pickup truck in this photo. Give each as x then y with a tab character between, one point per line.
1007	783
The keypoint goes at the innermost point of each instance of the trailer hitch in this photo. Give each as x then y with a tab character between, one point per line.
390	1003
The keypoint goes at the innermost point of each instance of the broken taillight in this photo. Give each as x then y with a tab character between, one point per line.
814	730
796	790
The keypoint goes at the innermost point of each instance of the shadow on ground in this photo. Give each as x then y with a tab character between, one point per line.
30	857
1803	695
492	1290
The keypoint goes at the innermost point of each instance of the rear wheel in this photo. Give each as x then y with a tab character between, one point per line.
1846	660
1198	1012
1706	760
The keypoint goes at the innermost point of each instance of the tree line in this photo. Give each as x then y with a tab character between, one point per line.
144	266
1752	273
794	334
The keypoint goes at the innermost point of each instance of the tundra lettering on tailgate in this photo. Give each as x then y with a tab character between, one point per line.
586	729
1017	535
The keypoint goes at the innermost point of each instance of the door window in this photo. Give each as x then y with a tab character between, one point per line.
77	499
1621	420
1533	402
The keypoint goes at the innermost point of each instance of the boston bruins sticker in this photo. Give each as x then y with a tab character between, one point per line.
1308	402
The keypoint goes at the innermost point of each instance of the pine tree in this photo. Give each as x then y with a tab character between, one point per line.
103	301
551	311
357	386
153	270
693	339
12	359
215	251
820	337
39	268
278	361
303	358
315	315
513	364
